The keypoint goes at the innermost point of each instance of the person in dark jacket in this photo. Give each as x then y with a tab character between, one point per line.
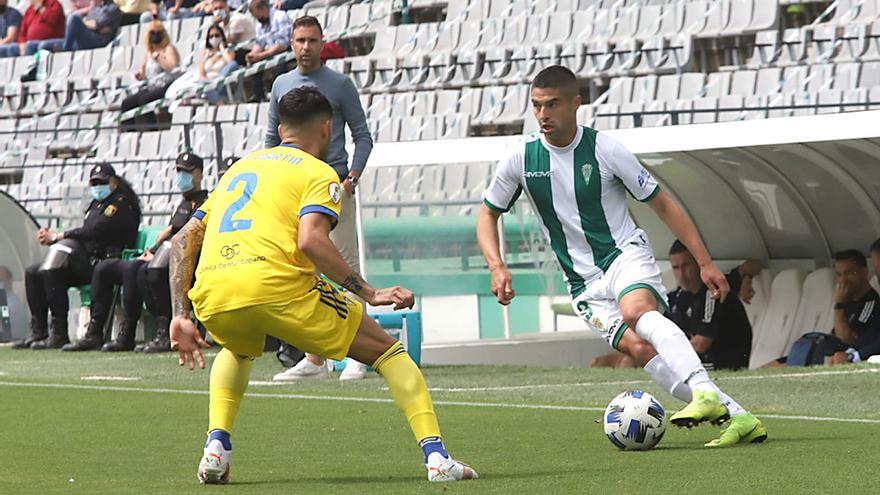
110	225
142	281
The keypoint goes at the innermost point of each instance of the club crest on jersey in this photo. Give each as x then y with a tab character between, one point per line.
587	169
334	193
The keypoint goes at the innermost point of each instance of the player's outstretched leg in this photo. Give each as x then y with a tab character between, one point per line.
407	385
678	359
229	379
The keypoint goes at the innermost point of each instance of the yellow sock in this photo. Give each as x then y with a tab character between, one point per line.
229	380
409	391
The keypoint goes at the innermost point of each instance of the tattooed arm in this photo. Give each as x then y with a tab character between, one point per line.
185	247
314	241
185	337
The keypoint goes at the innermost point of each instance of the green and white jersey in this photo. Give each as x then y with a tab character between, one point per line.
579	193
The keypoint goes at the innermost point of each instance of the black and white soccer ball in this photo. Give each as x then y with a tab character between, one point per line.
635	420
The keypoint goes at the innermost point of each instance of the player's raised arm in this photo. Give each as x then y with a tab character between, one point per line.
684	229
314	241
185	337
487	238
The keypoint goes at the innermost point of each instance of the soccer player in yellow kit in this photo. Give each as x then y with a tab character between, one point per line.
262	235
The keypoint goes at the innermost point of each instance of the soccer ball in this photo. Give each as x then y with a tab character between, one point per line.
635	420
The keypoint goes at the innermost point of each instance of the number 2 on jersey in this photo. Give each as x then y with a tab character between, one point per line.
227	224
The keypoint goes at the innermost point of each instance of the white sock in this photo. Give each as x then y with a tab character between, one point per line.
666	378
675	349
733	408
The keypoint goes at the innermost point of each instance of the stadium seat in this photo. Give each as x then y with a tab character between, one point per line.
771	333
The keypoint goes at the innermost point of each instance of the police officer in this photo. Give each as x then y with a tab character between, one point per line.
110	225
153	279
144	280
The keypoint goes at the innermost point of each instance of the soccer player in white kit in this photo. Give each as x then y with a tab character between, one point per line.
577	180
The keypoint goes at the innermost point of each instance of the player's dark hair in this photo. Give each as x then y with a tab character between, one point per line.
853	255
678	247
303	105
875	246
307	21
556	76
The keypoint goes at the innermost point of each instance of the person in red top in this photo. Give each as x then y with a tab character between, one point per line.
43	20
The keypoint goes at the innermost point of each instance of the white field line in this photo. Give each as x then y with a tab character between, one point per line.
547	407
96	378
644	382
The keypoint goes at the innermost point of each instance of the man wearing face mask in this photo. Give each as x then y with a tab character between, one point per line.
141	281
110	225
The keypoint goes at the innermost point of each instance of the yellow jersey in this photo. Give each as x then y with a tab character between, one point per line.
250	254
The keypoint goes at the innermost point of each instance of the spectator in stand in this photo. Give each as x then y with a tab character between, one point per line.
332	50
94	30
158	70
10	24
82	7
141	281
206	7
132	10
215	57
239	29
43	22
273	32
173	9
719	332
308	43
110	226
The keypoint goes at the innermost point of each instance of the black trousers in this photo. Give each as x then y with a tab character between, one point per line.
140	285
110	273
155	290
47	291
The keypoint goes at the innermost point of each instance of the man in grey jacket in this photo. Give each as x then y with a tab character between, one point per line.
307	42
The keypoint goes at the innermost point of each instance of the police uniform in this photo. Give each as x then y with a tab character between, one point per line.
110	225
252	280
725	322
140	284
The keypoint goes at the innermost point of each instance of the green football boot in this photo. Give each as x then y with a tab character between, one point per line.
744	428
705	406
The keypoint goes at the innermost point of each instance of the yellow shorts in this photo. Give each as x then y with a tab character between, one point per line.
323	321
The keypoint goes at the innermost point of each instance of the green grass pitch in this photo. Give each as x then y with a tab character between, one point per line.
526	430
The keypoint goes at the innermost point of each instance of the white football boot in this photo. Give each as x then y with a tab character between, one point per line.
214	468
448	469
353	370
303	370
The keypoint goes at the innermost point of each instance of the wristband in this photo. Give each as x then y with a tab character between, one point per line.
353	179
54	238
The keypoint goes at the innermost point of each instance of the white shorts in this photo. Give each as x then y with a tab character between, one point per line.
598	306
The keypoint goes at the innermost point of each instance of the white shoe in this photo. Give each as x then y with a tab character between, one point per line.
214	468
302	371
353	370
448	469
